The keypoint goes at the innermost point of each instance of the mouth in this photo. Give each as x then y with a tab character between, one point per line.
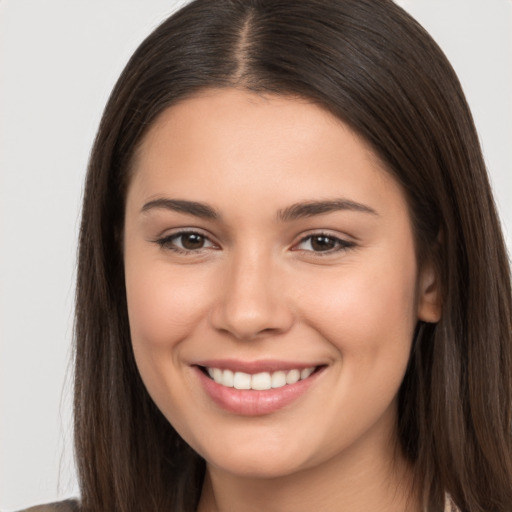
259	390
261	381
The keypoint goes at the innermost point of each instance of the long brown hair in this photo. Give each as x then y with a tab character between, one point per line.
376	69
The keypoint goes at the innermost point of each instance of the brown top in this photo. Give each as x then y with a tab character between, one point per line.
60	506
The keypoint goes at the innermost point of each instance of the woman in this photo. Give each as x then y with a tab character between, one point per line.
285	296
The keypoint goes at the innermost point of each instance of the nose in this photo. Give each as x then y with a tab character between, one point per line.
252	301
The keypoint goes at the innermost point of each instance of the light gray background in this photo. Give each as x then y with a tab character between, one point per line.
58	62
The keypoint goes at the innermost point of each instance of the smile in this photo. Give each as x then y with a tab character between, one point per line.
263	388
259	381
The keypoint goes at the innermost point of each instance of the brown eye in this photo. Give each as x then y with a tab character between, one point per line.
191	241
322	243
185	242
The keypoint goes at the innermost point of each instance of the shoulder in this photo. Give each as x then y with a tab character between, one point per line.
60	506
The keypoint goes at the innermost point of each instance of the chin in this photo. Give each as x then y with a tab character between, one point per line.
257	461
260	468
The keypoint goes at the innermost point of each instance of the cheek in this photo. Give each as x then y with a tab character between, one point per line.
366	309
367	314
163	305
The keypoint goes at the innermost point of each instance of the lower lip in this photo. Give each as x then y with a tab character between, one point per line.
248	402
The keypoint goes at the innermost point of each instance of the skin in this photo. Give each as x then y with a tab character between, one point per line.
258	289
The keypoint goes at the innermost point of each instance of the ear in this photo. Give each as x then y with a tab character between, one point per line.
429	294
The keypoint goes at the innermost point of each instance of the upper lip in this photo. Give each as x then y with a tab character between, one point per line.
252	367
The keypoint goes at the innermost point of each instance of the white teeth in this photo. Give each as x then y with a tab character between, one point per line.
228	378
278	379
292	376
217	375
259	381
242	381
304	374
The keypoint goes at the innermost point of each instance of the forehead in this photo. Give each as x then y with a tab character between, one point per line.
227	118
232	141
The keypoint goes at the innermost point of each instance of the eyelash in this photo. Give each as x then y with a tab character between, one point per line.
340	244
168	243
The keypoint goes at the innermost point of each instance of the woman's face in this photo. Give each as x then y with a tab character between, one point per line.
264	243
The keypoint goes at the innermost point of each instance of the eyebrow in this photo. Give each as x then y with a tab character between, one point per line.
312	208
202	210
292	212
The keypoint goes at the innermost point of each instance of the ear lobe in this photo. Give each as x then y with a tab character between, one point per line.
429	295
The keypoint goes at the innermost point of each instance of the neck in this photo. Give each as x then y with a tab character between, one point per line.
375	480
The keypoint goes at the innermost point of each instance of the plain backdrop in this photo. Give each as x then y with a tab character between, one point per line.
58	62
